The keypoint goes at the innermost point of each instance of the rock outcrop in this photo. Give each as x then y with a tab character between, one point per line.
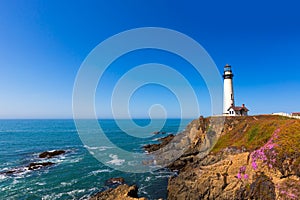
163	142
50	154
38	165
122	192
115	181
40	162
251	158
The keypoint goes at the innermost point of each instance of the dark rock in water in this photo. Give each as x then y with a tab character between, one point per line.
9	172
50	154
122	192
34	166
115	181
159	132
31	166
164	141
156	132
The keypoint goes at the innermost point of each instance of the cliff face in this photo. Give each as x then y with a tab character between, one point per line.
254	157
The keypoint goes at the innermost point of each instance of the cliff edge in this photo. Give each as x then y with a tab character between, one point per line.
252	157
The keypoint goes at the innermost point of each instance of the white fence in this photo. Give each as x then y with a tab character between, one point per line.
286	115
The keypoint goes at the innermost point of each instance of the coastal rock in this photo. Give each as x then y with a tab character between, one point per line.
163	142
261	188
115	181
31	166
50	154
156	132
159	132
122	192
254	158
34	166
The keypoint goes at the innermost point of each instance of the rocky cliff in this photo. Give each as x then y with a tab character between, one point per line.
249	157
255	157
122	192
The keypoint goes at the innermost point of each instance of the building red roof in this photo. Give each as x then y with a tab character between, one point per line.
238	108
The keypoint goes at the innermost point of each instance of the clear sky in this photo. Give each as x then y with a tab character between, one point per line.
43	43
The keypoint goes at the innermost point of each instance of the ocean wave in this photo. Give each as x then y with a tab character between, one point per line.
73	192
91	192
100	171
40	183
2	177
69	183
101	148
75	160
52	196
115	160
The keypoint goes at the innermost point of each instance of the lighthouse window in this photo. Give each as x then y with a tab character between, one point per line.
231	97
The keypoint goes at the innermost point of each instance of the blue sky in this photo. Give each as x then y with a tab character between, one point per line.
43	43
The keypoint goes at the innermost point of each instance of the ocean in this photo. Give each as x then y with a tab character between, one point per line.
76	174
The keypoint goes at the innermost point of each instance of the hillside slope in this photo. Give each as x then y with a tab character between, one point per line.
254	157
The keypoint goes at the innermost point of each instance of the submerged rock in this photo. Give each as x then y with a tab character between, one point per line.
50	154
122	192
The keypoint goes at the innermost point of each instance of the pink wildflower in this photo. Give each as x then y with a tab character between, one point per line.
270	165
254	165
292	196
243	169
239	176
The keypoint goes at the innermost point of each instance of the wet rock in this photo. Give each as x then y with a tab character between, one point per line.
115	181
34	166
31	166
164	141
159	132
122	192
9	172
50	154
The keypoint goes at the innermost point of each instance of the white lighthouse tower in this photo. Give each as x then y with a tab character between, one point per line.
228	96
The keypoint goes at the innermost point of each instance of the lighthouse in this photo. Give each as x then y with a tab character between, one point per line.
229	107
228	96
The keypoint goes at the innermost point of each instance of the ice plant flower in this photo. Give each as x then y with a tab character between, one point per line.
266	153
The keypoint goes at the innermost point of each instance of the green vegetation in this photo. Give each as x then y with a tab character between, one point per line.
253	132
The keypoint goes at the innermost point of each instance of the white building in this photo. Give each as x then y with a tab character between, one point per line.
238	110
229	107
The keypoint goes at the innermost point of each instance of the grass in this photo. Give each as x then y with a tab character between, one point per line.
253	132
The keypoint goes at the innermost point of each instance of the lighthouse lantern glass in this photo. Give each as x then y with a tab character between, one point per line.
227	69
